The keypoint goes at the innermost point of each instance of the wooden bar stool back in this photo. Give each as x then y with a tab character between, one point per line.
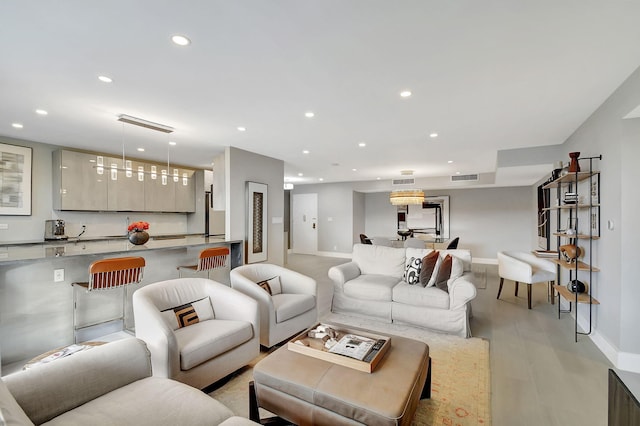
209	258
109	274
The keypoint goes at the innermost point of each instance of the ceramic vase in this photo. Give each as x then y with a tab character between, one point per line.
138	237
574	165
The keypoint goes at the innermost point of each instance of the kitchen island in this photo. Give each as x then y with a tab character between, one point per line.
36	312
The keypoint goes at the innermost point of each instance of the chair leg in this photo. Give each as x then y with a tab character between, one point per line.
500	289
517	288
553	292
529	295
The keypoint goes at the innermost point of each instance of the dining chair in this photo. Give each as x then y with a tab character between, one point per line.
453	244
522	267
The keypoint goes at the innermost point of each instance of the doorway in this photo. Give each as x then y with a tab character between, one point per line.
304	223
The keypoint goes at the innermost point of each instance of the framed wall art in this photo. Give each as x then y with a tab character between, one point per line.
15	180
256	235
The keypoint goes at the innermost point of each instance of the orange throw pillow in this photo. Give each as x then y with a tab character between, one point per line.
428	265
444	273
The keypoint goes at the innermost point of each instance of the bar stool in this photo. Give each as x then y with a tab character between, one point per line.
209	258
109	274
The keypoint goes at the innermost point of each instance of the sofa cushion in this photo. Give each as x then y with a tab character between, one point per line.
428	266
371	287
272	285
150	401
188	314
412	271
289	305
444	273
379	260
420	296
10	412
208	339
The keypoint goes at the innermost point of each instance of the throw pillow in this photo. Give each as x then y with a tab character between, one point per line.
444	272
428	266
457	268
188	314
412	271
434	275
272	285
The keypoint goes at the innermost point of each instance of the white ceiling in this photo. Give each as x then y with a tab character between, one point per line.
486	76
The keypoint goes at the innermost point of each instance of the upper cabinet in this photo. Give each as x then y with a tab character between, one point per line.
91	182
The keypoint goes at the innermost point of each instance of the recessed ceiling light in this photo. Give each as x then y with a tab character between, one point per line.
457	173
321	179
241	129
405	93
104	79
377	178
309	114
450	161
172	143
41	112
141	149
354	170
180	40
306	151
17	125
362	144
300	174
433	135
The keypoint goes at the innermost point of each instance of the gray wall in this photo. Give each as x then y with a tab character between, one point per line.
616	286
243	166
359	217
31	228
486	219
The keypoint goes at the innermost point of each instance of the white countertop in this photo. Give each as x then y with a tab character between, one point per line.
98	245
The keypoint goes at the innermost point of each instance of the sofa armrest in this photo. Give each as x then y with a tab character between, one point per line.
461	291
48	390
340	274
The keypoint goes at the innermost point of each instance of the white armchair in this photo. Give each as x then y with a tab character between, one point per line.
197	351
281	315
523	267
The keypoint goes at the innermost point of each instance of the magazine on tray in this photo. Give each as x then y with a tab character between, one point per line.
353	346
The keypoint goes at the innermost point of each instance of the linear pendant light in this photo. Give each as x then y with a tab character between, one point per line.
145	123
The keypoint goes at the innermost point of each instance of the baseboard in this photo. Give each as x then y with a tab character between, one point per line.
626	361
484	260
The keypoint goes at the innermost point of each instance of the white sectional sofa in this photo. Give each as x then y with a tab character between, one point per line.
372	285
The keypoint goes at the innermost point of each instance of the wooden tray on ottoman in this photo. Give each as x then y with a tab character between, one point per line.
315	347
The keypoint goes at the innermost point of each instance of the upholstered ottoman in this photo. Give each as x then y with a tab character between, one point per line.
308	391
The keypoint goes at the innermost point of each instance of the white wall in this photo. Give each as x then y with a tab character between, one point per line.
358	215
616	285
241	167
31	228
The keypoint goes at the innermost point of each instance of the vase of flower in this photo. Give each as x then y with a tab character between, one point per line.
138	234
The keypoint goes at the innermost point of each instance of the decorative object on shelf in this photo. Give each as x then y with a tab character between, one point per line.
576	286
557	169
574	165
570	252
138	234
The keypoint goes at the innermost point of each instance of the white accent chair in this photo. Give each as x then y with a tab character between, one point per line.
281	315
526	268
205	352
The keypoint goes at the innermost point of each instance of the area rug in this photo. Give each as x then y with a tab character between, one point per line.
460	387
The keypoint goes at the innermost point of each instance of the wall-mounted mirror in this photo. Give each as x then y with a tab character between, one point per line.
431	218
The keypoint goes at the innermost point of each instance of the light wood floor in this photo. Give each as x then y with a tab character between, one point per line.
539	375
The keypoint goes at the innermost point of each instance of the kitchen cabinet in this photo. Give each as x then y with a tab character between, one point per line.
79	181
94	182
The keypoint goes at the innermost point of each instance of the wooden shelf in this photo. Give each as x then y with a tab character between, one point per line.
579	236
571	206
570	178
581	265
571	297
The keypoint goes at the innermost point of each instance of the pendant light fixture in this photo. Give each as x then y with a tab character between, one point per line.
406	196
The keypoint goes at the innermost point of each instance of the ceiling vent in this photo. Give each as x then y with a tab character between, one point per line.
464	178
404	181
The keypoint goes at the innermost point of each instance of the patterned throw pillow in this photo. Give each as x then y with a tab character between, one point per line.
428	267
188	314
271	286
444	272
412	271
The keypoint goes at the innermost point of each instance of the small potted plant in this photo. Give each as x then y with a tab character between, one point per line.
138	234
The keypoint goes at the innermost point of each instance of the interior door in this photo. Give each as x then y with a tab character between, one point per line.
304	223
